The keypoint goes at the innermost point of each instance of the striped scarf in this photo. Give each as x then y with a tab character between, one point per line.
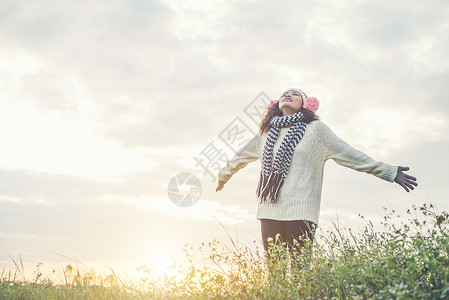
272	177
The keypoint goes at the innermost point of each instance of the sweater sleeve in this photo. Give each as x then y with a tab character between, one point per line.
345	155
248	153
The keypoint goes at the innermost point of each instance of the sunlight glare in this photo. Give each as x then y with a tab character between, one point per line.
159	259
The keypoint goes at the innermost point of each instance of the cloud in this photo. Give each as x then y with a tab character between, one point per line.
143	190
47	188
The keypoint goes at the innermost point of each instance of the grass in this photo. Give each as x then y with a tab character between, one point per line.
408	259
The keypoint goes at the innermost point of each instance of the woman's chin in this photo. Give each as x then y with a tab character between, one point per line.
288	111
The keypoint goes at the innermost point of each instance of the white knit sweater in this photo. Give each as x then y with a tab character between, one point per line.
300	195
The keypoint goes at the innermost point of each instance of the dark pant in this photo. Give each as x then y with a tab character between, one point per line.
299	230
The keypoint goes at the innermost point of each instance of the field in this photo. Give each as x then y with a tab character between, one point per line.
408	259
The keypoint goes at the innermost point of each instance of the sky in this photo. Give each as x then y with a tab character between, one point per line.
103	103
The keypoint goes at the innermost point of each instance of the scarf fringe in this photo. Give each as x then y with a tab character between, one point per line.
269	187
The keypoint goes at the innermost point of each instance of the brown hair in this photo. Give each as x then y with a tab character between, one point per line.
274	111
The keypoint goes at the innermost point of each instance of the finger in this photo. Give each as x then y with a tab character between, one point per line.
410	177
411	182
404	186
409	185
403	168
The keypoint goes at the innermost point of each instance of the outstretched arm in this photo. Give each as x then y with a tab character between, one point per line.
248	153
345	155
404	180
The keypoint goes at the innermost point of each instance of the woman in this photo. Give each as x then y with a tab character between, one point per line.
293	145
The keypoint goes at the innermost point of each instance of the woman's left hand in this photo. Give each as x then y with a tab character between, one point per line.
404	180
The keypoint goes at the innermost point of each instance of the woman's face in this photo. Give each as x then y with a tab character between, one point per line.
290	102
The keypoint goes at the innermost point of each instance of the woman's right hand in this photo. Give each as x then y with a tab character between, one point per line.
220	185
